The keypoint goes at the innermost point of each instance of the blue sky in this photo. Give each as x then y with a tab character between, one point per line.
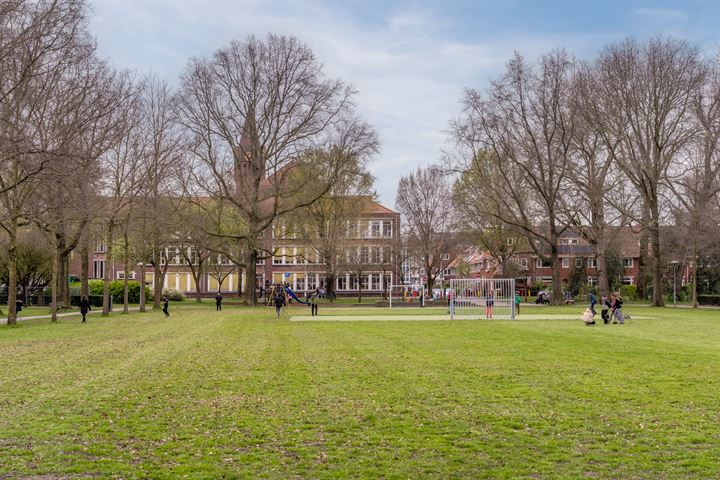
410	61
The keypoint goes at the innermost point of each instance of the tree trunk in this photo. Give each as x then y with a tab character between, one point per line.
54	285
65	284
601	268
430	281
557	298
142	286
84	270
330	287
251	269
126	266
106	277
643	259
158	280
197	275
12	274
657	267
694	281
359	285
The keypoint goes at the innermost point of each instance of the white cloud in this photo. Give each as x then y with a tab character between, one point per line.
408	65
661	13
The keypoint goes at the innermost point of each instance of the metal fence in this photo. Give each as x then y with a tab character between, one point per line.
473	298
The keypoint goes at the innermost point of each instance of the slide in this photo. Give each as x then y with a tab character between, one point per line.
295	297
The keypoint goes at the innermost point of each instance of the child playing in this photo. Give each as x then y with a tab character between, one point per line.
617	308
605	303
588	317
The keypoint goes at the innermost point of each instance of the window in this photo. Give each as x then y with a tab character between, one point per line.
628	263
539	263
375	284
121	275
578	262
569	241
312	281
277	257
565	262
523	262
100	247
375	229
376	255
342	283
299	283
628	280
592	281
387	229
591	262
365	282
511	241
353	230
365	258
445	256
98	269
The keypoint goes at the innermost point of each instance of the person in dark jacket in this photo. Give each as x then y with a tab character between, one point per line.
279	303
84	307
18	308
605	306
218	302
165	302
313	305
593	302
617	308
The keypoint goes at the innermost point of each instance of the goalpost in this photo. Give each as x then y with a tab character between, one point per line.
473	298
407	295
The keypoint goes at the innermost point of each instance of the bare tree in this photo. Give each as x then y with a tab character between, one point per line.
525	124
647	91
424	198
479	216
257	110
698	181
41	45
157	200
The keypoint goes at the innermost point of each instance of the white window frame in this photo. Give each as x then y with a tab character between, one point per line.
628	263
565	262
121	275
578	262
592	262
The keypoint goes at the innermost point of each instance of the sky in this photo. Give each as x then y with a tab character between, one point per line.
410	61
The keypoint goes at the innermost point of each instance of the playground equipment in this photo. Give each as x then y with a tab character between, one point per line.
406	295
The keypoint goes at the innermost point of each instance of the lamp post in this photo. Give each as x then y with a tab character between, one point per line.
675	264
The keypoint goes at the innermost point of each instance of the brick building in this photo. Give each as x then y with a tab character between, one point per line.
374	233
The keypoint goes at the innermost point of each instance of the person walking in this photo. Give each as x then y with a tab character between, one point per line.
165	302
84	307
218	302
279	303
617	309
605	308
593	302
18	308
517	303
312	300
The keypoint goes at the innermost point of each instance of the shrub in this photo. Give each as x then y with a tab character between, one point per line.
708	299
174	295
117	288
628	292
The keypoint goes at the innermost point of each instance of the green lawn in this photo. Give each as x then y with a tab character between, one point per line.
242	395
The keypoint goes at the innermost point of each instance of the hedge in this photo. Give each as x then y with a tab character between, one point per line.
117	289
707	299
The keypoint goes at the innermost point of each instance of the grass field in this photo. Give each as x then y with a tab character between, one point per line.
242	395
